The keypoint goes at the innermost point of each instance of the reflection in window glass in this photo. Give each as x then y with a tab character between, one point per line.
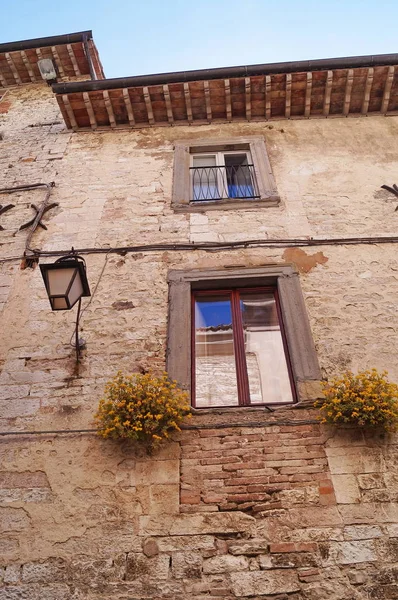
215	371
205	177
265	356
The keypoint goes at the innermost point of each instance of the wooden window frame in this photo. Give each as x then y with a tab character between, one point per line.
293	315
181	195
239	345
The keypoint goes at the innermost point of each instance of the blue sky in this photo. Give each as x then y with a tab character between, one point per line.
141	37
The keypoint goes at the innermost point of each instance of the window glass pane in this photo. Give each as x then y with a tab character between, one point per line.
204	175
215	371
239	176
265	356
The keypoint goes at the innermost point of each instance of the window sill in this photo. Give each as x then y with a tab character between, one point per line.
227	204
241	409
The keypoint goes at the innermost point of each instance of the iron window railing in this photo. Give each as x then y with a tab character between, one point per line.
217	183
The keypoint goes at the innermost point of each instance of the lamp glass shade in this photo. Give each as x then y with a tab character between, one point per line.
66	282
47	69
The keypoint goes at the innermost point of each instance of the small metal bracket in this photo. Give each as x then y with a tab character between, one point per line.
4	209
392	190
44	210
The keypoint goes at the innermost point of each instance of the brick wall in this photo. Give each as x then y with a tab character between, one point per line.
255	469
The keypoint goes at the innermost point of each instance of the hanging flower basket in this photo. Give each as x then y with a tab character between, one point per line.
144	408
367	399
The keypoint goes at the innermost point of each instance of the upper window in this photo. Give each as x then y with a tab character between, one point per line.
222	174
240	337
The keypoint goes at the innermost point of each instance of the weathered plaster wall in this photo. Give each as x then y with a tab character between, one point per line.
83	518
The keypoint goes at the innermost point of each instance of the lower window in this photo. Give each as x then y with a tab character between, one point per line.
239	351
240	337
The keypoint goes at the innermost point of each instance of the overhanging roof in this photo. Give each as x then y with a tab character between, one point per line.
75	55
340	87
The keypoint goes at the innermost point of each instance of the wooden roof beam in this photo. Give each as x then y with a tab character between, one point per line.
228	105
69	111
208	101
288	95
90	110
129	107
308	91
248	98
148	105
268	97
387	90
73	60
188	105
348	89
328	92
109	108
368	87
57	61
169	108
28	66
13	68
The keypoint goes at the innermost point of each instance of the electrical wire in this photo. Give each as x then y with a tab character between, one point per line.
288	422
215	246
74	334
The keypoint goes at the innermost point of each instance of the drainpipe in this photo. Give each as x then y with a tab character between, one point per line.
88	56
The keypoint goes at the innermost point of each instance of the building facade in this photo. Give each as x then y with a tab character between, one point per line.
236	232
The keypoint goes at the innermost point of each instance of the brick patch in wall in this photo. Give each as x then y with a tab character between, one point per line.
255	471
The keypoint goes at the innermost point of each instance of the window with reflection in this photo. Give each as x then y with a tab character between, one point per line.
239	351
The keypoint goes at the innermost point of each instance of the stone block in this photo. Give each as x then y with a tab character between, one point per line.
53	570
186	565
36	591
157	472
138	566
313	516
387	550
225	564
262	583
164	499
346	489
198	219
196	524
251	547
13	519
186	543
20	407
25	479
371	480
355	460
369	513
9	548
150	548
11	392
362	532
12	574
347	553
392	530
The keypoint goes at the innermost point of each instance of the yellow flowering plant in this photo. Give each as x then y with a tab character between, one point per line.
366	399
139	407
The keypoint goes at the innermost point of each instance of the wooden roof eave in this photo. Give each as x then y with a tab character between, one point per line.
331	93
74	55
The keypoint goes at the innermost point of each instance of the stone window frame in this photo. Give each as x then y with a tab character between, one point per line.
262	168
302	353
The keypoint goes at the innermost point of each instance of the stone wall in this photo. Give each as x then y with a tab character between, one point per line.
245	503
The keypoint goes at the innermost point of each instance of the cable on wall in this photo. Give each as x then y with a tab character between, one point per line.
216	246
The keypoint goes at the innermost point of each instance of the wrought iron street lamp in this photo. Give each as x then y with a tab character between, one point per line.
66	283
